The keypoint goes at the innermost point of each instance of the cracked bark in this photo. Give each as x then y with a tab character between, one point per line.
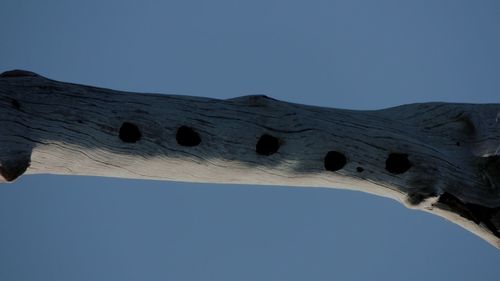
441	158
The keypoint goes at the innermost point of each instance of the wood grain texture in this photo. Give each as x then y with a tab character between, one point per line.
441	158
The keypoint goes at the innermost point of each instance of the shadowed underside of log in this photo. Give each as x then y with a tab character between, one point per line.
441	158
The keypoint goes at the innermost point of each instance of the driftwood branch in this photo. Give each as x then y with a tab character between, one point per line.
441	158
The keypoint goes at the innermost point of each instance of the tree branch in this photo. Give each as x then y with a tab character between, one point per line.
441	158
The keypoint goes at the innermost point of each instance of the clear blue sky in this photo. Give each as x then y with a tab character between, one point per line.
349	54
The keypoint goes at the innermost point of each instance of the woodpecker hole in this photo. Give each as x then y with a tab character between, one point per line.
334	161
187	136
129	133
397	163
360	169
267	145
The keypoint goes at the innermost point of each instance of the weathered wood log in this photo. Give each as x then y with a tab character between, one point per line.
441	158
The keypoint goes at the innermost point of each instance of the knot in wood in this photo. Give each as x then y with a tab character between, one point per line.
17	73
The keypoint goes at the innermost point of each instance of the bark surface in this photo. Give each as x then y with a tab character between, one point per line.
442	158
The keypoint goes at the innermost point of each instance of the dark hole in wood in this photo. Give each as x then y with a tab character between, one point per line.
334	161
267	145
359	169
11	170
458	143
397	163
129	132
15	104
187	136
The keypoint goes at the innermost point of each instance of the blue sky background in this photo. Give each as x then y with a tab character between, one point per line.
348	54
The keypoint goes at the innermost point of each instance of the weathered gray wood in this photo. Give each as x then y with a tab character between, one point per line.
441	158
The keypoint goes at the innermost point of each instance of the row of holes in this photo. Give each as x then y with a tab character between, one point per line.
396	163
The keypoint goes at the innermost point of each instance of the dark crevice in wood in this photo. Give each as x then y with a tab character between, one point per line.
490	167
186	136
360	169
416	198
129	133
474	212
334	161
397	163
267	145
15	104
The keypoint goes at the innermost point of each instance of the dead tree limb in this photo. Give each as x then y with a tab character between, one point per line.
441	158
